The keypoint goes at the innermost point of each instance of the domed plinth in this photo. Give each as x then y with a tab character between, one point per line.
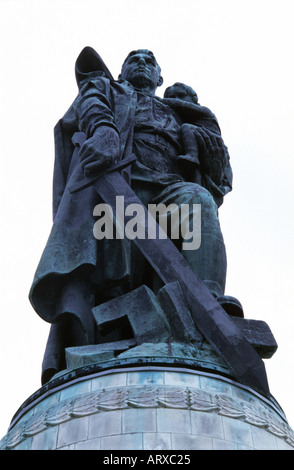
148	407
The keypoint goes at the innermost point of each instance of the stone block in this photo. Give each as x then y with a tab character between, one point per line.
176	378
122	442
25	445
282	445
176	422
157	441
190	442
207	424
105	424
48	401
212	384
138	420
222	444
46	440
238	431
76	389
70	447
263	440
83	355
242	447
119	379
145	378
72	431
89	444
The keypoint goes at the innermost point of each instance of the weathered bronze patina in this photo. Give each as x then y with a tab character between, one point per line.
119	138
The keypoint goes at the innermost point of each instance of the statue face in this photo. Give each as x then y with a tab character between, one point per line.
175	91
180	92
142	71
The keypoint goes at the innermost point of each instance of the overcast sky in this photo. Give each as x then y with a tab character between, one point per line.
238	56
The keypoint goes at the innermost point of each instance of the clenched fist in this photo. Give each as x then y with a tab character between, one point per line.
100	151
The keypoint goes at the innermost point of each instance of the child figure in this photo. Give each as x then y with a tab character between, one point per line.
205	158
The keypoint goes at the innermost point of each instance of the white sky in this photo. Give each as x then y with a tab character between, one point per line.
238	55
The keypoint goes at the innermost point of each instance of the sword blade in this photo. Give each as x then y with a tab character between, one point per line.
209	317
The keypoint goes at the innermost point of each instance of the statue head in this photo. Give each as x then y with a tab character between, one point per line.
141	69
182	92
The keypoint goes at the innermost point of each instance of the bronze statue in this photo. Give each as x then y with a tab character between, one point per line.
179	157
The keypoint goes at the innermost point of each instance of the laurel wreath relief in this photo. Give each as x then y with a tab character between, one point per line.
148	397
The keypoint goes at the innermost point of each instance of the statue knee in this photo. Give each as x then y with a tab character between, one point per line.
200	195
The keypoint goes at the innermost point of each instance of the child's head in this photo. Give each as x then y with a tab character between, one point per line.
182	92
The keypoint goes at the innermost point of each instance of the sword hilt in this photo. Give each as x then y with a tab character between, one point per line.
78	139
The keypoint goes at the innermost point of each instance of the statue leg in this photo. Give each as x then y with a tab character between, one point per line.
209	259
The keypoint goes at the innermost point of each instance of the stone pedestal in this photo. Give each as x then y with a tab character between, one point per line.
154	407
163	388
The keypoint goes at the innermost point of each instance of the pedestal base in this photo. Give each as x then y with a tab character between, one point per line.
148	407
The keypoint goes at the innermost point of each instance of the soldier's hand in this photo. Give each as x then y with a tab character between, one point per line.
213	153
100	151
211	143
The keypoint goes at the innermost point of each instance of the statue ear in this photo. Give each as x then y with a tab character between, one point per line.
160	81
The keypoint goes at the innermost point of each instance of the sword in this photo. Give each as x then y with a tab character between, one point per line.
170	265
